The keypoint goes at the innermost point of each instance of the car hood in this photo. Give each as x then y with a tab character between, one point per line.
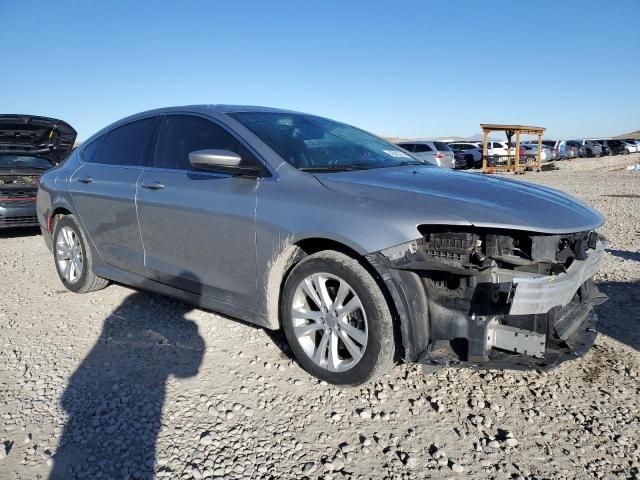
435	195
38	136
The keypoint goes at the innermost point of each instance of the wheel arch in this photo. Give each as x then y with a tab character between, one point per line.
55	214
295	251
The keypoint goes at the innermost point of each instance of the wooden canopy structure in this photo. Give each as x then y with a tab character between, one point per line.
510	131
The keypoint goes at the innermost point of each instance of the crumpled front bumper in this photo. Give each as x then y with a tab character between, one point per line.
556	352
534	294
500	319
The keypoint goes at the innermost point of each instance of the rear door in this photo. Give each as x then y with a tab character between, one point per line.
104	188
426	153
198	227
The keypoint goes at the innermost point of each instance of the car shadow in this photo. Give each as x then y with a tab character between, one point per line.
619	317
114	400
627	255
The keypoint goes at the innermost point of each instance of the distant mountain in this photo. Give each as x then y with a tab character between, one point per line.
453	138
635	135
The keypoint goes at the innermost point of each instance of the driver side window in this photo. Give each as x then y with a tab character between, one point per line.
183	134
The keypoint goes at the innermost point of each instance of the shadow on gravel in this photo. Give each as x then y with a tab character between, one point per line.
619	318
114	399
627	255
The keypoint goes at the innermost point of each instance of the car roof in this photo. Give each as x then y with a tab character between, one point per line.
202	109
219	108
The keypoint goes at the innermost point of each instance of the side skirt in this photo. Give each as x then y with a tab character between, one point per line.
207	303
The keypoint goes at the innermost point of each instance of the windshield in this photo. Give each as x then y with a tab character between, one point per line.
313	143
24	162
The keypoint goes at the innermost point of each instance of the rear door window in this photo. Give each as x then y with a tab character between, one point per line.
125	145
422	148
90	152
183	134
410	147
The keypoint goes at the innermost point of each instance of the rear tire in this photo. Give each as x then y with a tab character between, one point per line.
349	348
72	257
469	161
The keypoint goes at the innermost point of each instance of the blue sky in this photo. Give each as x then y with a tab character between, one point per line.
410	69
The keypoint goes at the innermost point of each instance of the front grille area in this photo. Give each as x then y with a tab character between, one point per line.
18	194
16	198
11	221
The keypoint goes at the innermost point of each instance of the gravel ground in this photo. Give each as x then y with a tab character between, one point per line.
126	384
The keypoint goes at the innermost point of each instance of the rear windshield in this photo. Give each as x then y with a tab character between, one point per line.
24	162
442	147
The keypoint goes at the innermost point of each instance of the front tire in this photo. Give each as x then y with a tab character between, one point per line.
337	320
73	259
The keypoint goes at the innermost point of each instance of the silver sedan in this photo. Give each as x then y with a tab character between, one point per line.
359	250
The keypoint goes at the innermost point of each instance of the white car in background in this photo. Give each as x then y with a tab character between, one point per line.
499	148
433	152
630	146
472	152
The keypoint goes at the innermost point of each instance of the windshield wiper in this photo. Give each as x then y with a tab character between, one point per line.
404	163
333	168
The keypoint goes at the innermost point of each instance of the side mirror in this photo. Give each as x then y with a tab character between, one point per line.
224	161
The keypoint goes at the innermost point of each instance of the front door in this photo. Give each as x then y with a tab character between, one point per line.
198	227
103	191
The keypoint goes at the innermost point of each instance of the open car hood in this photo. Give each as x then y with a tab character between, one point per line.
36	136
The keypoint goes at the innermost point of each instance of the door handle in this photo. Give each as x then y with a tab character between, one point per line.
152	185
85	179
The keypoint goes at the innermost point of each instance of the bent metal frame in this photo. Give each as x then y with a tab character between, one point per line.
511	130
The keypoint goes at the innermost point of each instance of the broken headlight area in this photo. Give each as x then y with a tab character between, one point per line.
498	294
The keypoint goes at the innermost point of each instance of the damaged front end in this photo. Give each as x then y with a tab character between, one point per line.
493	297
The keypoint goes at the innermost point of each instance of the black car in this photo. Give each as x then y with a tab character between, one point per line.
606	150
616	146
29	145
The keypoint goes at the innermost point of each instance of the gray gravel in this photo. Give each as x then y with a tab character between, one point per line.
124	384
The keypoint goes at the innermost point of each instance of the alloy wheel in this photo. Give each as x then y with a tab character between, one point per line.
69	254
329	322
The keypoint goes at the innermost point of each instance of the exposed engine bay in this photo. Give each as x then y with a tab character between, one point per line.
19	180
494	294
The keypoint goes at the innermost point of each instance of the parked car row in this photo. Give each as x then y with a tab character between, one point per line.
590	147
469	154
